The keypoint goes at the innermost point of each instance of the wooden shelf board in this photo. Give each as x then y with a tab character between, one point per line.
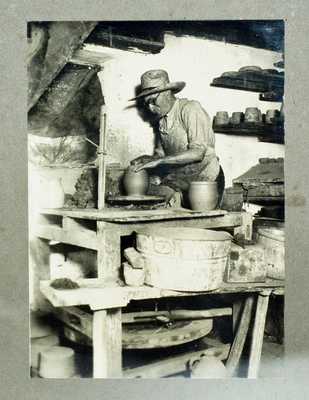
124	215
98	296
85	239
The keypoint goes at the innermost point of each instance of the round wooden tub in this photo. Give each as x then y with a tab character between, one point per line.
184	259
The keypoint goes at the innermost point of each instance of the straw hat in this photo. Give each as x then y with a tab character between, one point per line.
156	81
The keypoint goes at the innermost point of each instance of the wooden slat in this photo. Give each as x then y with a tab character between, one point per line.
86	239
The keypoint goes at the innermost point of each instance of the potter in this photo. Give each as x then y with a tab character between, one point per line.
185	149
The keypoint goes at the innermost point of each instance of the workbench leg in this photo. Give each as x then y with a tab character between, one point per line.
109	252
240	337
237	308
107	344
258	334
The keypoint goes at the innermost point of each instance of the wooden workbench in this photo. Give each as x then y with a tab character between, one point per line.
102	230
106	303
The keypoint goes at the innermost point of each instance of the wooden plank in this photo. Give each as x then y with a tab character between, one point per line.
90	58
86	239
258	334
107	344
240	338
98	296
175	364
226	221
109	253
124	215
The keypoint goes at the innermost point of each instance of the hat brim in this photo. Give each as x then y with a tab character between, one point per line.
174	86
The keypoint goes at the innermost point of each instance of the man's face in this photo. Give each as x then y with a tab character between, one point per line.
159	103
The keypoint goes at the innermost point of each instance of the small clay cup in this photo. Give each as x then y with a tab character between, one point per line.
253	115
271	115
237	118
222	118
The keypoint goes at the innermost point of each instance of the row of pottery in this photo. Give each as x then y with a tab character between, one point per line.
251	115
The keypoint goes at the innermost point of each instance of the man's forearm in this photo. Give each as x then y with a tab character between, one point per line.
186	157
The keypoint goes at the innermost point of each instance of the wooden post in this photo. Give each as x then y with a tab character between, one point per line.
237	307
240	338
107	344
109	257
258	334
102	163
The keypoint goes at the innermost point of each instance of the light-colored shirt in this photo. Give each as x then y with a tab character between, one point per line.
188	126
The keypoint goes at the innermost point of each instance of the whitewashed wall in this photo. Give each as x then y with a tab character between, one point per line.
195	61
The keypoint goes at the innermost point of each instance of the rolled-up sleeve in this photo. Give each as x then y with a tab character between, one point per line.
198	126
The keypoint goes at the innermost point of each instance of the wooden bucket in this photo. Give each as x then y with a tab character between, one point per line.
184	259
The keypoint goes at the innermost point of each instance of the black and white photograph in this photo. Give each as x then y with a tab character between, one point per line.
156	199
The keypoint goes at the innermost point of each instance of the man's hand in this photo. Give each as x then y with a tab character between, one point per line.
147	165
141	160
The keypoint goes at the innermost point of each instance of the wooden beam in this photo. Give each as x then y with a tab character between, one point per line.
108	38
90	58
86	239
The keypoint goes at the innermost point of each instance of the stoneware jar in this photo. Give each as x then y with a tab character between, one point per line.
135	183
253	114
236	118
271	115
203	196
222	118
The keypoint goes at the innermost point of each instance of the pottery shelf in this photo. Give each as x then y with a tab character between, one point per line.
263	81
265	132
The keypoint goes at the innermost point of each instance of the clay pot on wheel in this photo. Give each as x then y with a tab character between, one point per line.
135	183
203	196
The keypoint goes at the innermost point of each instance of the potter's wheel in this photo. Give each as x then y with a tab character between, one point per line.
136	199
152	335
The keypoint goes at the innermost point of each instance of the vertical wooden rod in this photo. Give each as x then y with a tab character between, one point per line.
102	163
